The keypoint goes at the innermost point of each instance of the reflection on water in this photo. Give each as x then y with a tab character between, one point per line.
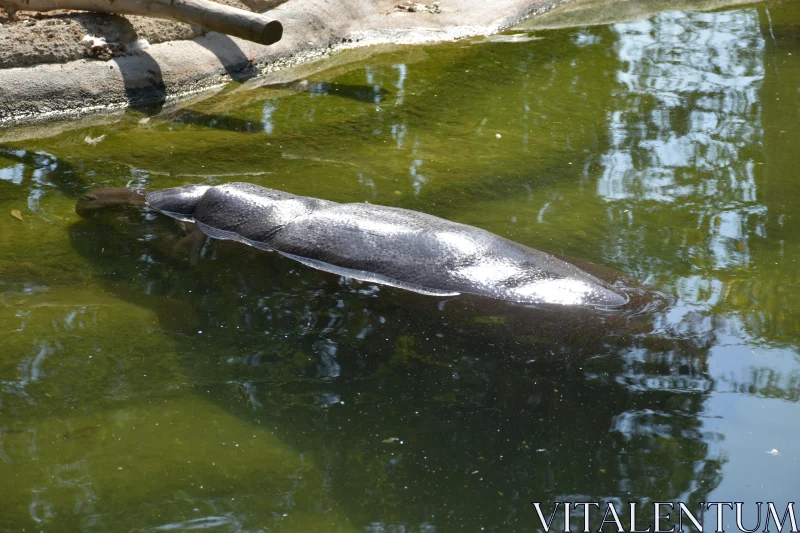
682	140
686	125
151	382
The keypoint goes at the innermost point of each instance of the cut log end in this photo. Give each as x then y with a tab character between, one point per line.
271	33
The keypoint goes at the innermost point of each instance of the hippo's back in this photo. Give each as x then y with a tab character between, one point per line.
429	254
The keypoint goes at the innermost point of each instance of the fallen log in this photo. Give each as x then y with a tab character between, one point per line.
204	13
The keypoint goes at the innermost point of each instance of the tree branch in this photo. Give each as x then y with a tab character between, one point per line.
210	15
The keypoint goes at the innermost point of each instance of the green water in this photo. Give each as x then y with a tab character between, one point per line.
141	392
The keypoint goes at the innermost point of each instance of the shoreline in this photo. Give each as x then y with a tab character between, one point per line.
166	73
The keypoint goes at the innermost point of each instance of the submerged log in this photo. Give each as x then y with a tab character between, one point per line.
204	13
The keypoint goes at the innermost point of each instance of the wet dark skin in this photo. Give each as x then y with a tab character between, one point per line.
561	325
114	206
392	246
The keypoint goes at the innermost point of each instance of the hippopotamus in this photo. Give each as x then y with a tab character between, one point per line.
386	245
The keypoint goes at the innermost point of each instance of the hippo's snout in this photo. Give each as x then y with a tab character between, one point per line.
86	205
94	202
606	297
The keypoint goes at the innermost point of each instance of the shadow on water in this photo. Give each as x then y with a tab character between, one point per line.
360	93
402	397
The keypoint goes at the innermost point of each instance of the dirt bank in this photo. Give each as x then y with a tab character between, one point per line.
67	64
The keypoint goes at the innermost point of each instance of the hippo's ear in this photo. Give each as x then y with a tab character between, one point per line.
177	202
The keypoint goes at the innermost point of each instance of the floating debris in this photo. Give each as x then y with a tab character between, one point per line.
94	141
16	214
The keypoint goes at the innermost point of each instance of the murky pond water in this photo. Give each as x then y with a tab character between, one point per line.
143	391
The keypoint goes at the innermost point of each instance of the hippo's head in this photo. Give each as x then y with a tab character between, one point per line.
177	202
